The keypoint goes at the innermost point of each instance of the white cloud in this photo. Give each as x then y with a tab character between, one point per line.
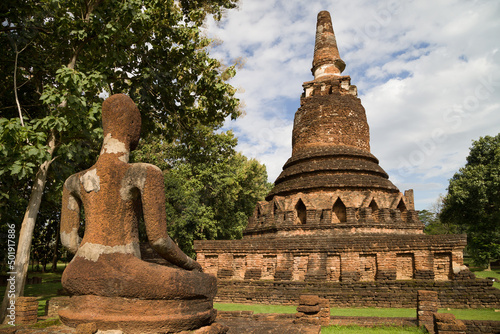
428	75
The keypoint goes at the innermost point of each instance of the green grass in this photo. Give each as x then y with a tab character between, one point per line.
374	312
40	324
493	273
256	308
47	323
371	330
51	282
473	314
464	314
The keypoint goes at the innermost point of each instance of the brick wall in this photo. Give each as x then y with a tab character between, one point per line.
367	270
348	258
350	270
405	266
482	326
475	293
372	321
445	323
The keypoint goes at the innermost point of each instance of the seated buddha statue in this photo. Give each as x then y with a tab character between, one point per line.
109	283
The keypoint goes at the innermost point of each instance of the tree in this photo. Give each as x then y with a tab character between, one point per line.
209	198
60	57
432	222
473	200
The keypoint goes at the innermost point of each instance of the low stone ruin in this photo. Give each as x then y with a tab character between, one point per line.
313	310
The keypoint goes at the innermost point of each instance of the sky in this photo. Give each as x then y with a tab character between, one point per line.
427	72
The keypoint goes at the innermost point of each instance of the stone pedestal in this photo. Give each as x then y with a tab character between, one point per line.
137	315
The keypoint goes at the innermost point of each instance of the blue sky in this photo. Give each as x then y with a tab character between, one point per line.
427	72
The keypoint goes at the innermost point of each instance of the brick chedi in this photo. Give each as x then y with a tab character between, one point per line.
334	225
332	183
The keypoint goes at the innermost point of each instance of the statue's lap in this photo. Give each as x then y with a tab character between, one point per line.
124	275
141	297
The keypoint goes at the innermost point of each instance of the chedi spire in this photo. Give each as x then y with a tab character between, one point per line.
326	54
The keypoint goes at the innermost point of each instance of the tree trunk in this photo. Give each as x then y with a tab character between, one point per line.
56	250
27	227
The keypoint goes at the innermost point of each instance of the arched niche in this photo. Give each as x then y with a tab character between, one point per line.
339	212
301	210
373	205
276	209
403	209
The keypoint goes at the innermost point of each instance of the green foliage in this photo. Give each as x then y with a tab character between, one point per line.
61	58
433	225
72	53
473	200
211	190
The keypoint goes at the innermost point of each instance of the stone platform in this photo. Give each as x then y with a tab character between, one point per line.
237	325
139	316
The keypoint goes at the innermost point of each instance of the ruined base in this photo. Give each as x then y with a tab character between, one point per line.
137	315
473	293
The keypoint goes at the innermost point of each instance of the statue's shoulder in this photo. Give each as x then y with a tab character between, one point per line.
137	173
72	183
142	167
88	178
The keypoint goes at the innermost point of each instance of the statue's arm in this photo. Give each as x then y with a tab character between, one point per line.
70	214
155	219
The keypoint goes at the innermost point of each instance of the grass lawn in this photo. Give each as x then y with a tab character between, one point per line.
256	308
473	314
347	312
51	282
371	330
374	312
493	273
464	314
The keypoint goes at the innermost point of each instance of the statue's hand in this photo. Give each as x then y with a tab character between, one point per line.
167	248
194	266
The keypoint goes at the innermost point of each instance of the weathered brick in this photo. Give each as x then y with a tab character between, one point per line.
334	217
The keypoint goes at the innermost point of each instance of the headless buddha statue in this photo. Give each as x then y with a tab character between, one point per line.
109	283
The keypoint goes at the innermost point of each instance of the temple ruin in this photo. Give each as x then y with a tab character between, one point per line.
334	224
